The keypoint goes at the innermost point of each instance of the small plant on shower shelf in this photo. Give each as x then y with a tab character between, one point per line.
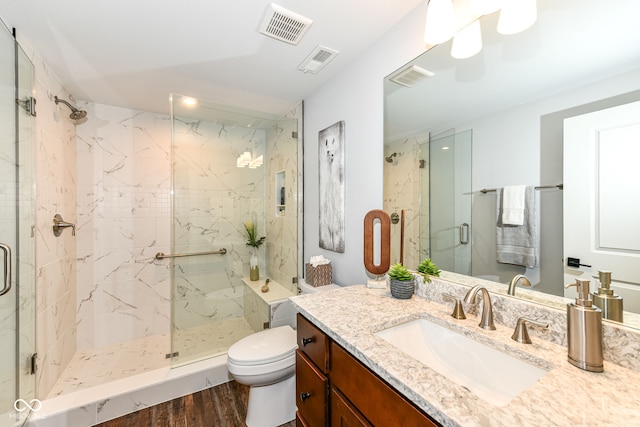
252	234
254	241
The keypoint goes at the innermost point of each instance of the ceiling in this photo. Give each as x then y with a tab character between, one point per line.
135	53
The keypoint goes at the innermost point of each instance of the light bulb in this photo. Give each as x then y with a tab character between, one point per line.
467	42
440	23
485	7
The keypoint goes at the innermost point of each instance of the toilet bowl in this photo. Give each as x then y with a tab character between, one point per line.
266	362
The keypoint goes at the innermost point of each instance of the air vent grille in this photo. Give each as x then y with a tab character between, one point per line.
411	76
284	25
317	59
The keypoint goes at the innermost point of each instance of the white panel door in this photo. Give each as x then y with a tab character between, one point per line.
602	196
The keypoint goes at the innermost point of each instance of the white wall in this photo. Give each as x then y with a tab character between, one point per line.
523	145
355	96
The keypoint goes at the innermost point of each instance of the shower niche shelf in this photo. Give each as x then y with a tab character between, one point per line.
280	194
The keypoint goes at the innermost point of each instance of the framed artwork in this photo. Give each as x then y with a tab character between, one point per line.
331	184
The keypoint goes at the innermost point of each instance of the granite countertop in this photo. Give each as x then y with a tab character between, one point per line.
565	396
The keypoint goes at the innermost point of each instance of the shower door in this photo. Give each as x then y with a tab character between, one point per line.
450	202
229	166
17	250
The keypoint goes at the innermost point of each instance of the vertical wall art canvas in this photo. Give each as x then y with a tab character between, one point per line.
331	183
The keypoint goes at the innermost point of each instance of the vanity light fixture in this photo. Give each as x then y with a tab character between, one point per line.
485	7
467	42
517	16
440	23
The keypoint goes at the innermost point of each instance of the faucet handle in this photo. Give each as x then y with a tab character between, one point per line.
458	311
520	334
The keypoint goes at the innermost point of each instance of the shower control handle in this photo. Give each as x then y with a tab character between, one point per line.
7	268
59	224
304	395
306	341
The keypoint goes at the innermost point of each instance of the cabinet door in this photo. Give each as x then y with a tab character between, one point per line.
312	389
313	343
344	414
374	398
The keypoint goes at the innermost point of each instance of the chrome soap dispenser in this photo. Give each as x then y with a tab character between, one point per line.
584	330
609	303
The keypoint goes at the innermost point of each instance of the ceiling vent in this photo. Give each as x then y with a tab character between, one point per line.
317	59
411	76
284	25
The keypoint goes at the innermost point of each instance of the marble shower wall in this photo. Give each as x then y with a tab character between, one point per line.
282	227
123	221
56	256
213	198
402	191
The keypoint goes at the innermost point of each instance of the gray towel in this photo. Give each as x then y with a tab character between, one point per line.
518	244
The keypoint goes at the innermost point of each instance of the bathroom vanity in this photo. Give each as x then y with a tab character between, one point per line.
349	375
333	385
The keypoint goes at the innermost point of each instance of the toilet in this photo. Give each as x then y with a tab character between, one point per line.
266	362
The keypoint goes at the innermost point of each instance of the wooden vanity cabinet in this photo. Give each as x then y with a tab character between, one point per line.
312	382
347	393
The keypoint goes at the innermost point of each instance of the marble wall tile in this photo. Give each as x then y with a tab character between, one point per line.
124	206
213	198
256	310
282	227
56	193
402	192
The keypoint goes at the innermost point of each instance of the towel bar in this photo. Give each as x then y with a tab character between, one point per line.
558	186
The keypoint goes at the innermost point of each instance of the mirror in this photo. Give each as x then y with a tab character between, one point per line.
580	56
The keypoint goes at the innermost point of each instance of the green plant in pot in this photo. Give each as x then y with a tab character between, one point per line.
401	281
428	268
251	231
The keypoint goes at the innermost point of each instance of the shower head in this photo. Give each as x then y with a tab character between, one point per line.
390	157
75	113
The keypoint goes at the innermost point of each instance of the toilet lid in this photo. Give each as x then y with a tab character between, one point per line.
265	346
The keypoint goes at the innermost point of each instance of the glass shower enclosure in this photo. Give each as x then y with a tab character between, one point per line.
449	183
229	166
17	246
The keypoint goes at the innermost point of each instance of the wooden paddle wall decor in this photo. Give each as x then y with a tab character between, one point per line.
385	241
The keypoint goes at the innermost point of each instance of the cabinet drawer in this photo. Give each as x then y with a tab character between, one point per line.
312	389
374	398
313	343
343	414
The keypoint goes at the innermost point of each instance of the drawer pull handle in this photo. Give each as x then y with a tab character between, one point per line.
306	341
305	395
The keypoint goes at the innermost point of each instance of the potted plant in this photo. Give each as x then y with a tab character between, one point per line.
401	281
428	268
254	241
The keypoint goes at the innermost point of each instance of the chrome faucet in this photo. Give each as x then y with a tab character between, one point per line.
514	282
486	321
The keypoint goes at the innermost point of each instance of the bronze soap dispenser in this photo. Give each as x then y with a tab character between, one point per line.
609	303
584	330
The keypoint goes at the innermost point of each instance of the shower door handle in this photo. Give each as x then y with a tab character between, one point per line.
7	268
464	233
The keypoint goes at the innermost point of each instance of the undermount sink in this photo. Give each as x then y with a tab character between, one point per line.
492	375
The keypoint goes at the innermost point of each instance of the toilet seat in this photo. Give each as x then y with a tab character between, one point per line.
266	347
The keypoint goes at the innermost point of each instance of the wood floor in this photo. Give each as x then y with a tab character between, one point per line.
221	406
